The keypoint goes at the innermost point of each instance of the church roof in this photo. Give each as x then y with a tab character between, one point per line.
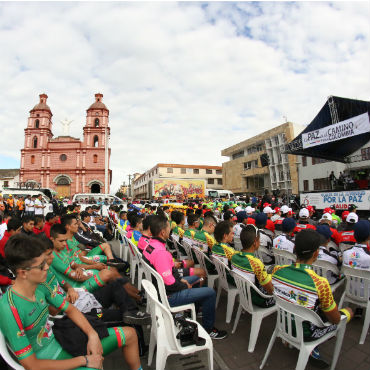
98	104
42	104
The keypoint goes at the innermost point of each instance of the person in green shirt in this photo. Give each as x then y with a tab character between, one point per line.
193	224
246	264
24	319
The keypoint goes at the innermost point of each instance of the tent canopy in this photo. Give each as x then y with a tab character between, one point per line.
335	110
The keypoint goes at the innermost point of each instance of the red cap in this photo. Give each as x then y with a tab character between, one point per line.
329	210
344	215
310	209
277	209
266	205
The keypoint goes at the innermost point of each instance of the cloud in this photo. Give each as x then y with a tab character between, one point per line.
182	80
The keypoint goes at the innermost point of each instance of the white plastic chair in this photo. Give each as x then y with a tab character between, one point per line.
322	268
187	248
237	244
245	303
163	327
5	354
261	251
123	251
231	291
346	245
150	274
287	314
202	258
175	241
135	261
357	291
283	257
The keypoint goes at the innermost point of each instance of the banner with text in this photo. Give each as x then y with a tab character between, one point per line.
342	130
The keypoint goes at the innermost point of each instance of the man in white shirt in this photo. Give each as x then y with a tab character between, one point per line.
3	227
39	206
285	241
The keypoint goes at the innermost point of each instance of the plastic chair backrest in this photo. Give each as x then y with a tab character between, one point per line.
187	248
346	245
358	284
221	271
283	257
290	318
322	267
245	287
237	244
5	354
201	257
165	324
135	250
261	251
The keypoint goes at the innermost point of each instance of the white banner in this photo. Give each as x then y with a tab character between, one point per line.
341	130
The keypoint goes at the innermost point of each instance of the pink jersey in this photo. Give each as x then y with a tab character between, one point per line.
129	234
143	242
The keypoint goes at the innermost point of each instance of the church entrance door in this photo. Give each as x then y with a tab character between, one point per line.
64	190
95	188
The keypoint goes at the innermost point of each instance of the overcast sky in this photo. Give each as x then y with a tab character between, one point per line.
182	81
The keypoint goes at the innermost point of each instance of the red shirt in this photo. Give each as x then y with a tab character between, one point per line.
347	237
47	228
38	231
270	225
301	226
3	242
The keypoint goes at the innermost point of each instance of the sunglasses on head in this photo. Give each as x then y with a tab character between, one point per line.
255	228
41	266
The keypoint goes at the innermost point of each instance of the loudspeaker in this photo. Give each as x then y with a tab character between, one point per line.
265	160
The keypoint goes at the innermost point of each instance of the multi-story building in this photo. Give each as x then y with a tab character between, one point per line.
67	164
143	184
314	172
259	163
9	178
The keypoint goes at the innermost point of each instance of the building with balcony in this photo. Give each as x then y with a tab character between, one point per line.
143	184
259	163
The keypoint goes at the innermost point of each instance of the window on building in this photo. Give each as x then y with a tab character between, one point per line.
35	142
247	165
183	170
96	122
169	170
32	159
365	153
6	184
95	158
276	140
288	175
281	175
196	171
238	154
211	181
321	184
304	161
63	157
96	141
37	123
218	172
219	181
305	185
209	172
319	160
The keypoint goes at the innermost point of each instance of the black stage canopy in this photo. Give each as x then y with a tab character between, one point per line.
335	110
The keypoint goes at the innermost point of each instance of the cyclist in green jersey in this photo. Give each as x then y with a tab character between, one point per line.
24	319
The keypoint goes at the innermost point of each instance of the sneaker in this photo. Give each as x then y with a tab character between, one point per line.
316	361
121	266
137	318
217	334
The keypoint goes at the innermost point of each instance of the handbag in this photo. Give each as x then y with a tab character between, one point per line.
72	338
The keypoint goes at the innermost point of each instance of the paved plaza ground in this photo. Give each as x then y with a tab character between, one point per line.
232	352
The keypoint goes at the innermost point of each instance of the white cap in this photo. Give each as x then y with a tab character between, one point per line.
249	209
326	216
238	208
352	218
303	213
285	209
268	210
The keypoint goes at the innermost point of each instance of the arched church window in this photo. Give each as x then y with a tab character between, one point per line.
37	123
63	157
96	141
63	180
95	158
32	159
96	122
35	142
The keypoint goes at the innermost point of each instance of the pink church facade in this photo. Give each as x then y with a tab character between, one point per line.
66	164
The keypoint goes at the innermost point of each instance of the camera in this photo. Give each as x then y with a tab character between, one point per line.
188	331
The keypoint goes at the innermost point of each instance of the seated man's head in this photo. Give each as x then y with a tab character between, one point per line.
178	217
51	217
307	243
288	225
26	259
146	224
14	226
39	221
58	235
224	232
250	238
137	223
49	246
325	233
261	220
160	227
209	224
193	221
28	223
70	223
362	231
123	215
85	217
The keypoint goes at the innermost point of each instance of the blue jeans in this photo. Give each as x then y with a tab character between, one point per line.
205	297
101	228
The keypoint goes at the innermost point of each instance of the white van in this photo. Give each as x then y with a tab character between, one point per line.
219	194
93	198
25	192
